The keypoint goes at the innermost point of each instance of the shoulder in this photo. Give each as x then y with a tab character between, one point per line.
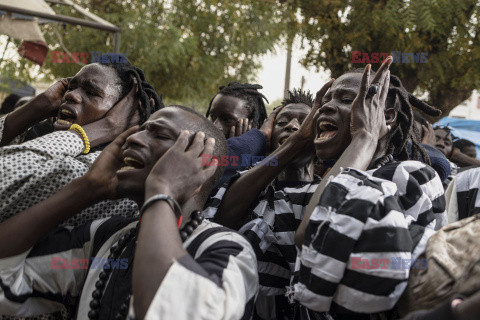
210	236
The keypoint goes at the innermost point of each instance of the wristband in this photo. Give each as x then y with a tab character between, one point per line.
75	127
163	197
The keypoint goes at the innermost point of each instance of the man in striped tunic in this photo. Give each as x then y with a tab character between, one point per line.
388	212
211	275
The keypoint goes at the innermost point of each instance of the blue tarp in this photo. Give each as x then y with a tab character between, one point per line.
463	129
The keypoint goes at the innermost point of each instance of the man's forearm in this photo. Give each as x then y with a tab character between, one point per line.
21	119
159	244
243	192
22	231
463	160
358	155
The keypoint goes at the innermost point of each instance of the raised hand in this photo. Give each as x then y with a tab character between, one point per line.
429	135
267	126
306	132
368	111
54	96
102	175
179	172
240	128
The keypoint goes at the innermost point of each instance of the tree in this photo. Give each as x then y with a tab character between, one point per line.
187	48
449	31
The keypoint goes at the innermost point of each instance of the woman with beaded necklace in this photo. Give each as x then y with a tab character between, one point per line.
202	271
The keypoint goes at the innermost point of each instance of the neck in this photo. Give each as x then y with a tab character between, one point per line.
381	150
297	173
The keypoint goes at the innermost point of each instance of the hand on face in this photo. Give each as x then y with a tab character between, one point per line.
179	172
368	112
123	115
267	126
102	175
306	133
429	135
54	95
240	128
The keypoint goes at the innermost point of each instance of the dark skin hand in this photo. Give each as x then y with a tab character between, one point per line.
287	122
159	243
267	127
229	114
38	220
368	125
37	109
244	191
429	135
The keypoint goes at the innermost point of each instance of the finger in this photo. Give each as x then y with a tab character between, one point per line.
425	130
239	127
232	132
319	96
384	88
182	140
245	126
249	127
362	93
209	146
116	145
209	171
382	70
197	144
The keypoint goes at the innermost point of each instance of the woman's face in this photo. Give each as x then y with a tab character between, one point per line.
444	141
90	95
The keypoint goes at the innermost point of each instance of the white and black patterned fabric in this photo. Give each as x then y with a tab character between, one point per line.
216	280
383	213
468	198
35	170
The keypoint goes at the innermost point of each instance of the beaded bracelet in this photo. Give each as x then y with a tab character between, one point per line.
164	197
75	127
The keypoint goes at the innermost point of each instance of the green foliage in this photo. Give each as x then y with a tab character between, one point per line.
187	48
449	31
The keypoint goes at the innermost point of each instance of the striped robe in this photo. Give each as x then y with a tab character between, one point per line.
217	279
387	213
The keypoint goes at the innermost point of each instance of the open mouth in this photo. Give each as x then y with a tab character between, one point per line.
66	116
283	140
327	130
131	164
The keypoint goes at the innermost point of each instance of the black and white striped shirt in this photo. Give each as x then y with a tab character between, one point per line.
386	213
216	280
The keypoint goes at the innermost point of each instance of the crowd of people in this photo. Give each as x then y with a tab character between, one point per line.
343	205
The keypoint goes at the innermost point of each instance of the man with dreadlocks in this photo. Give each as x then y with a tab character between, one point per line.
236	108
354	214
92	108
275	212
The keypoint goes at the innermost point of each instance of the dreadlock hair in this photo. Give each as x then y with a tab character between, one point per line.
250	94
402	101
127	72
463	143
298	96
